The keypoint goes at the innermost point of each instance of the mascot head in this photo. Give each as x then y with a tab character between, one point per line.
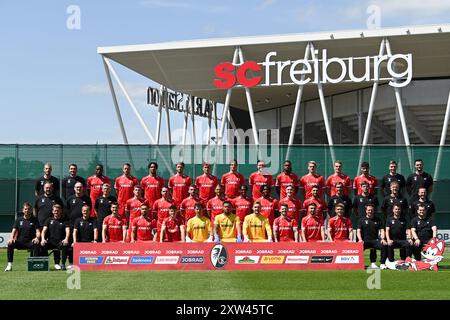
433	250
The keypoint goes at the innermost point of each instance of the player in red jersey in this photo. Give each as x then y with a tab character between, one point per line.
161	208
133	208
124	186
286	178
215	205
114	227
295	207
312	178
258	179
94	184
269	205
206	184
144	227
365	176
285	229
313	226
232	181
172	228
339	227
337	177
242	205
152	184
179	184
321	205
187	209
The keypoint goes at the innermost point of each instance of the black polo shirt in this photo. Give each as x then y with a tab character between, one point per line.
56	229
386	183
416	181
345	200
103	207
26	228
429	208
397	228
390	201
74	205
43	206
85	229
360	202
370	228
423	228
39	186
68	185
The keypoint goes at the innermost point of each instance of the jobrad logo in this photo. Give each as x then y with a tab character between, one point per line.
192	259
307	71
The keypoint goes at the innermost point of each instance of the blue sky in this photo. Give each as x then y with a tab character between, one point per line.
52	82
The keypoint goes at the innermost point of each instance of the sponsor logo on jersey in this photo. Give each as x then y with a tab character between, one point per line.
192	259
219	256
272	259
167	260
246	259
297	260
91	260
321	259
117	260
142	259
346	259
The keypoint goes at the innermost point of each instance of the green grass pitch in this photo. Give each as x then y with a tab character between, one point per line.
221	285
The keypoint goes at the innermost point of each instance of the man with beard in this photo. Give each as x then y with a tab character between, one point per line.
391	177
95	183
417	180
68	183
179	184
47	177
286	178
152	184
44	204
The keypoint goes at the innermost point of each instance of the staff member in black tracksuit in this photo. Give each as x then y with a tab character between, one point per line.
85	228
398	234
68	183
371	232
423	229
55	235
26	234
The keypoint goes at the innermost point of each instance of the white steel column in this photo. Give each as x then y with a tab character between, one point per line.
398	98
250	105
186	114
158	120
226	106
194	139
208	138
442	142
116	105
298	100
166	106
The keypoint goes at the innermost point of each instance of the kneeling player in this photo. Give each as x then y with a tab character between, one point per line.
340	227
227	225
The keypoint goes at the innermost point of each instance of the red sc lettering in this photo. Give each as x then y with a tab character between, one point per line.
226	78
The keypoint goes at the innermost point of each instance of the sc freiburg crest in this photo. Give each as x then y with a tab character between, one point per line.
219	256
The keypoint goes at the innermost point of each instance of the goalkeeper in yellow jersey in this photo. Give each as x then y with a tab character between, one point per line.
227	226
256	227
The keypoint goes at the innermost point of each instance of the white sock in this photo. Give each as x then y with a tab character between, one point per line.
9	264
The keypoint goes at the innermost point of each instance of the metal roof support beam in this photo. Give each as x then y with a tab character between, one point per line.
226	106
194	138
166	106
158	120
419	128
185	123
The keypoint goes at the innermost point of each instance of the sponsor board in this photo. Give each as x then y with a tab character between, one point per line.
4	237
142	259
117	259
297	260
444	235
272	259
167	260
91	260
347	259
246	259
192	259
321	259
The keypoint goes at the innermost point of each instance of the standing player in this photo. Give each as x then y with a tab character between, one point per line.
227	225
25	234
124	186
102	207
173	228
95	183
340	227
179	184
47	177
242	204
114	228
133	208
85	228
199	228
294	205
232	181
161	207
206	184
321	205
152	184
418	179
256	227
43	207
365	177
338	177
68	183
143	227
362	200
423	229
313	229
187	205
371	232
398	234
258	179
340	197
269	205
286	178
390	177
312	178
394	198
215	205
285	229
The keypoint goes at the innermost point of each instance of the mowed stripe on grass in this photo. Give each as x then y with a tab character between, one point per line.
222	285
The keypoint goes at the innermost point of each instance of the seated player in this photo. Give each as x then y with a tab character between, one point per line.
340	227
199	228
256	227
285	229
227	225
313	229
144	226
172	228
114	226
